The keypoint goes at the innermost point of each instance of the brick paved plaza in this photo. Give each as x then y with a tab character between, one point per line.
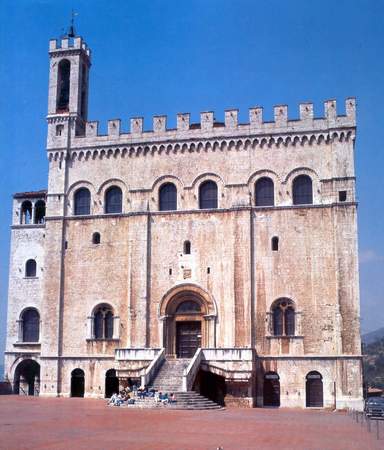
66	423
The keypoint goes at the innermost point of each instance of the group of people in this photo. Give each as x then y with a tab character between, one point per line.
127	396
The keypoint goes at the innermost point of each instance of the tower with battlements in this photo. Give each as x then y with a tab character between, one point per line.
230	246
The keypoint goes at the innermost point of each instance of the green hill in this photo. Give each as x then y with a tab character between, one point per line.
374	364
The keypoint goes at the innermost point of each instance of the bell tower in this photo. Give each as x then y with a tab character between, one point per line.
70	62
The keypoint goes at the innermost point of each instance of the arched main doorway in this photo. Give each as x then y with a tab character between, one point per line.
314	390
27	378
188	313
77	383
271	389
111	383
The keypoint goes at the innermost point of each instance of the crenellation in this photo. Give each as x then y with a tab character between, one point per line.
137	125
92	128
280	126
306	111
231	118
280	113
64	43
183	121
114	127
206	120
159	124
330	111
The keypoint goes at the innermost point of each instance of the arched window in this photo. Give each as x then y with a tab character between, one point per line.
26	213
113	200
283	318
96	239
264	192
63	83
275	244
168	197
30	268
40	211
302	190
188	307
30	321
82	201
208	195
187	248
103	322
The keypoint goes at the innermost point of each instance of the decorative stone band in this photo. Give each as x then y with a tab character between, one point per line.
190	146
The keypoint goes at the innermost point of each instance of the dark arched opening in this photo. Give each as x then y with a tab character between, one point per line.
26	213
314	390
30	268
96	238
187	248
31	325
111	383
271	389
113	200
208	195
77	383
63	84
39	211
27	378
264	192
302	190
168	197
82	200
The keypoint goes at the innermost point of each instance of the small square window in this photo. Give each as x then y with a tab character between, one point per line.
342	196
59	129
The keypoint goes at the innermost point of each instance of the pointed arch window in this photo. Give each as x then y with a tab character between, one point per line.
168	197
82	199
302	190
283	318
26	213
208	195
40	212
113	200
264	192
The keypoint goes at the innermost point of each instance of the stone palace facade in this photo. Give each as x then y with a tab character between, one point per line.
232	246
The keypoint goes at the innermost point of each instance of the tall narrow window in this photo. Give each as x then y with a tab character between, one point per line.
264	192
82	200
30	268
302	190
168	197
96	238
283	316
40	212
113	200
26	213
187	248
208	195
275	244
63	83
103	322
31	325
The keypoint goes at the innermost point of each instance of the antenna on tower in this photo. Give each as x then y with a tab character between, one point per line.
71	31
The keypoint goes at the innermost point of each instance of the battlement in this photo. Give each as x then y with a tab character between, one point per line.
208	126
65	44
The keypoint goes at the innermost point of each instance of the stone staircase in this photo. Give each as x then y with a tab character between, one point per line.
169	379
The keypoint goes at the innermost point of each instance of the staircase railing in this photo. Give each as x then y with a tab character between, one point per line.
153	368
190	372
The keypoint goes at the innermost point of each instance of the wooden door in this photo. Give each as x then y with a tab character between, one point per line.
188	338
271	391
314	390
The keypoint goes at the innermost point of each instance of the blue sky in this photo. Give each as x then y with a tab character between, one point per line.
163	57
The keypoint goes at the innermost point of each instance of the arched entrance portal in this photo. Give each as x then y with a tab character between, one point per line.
188	314
111	383
27	378
77	383
271	390
314	390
